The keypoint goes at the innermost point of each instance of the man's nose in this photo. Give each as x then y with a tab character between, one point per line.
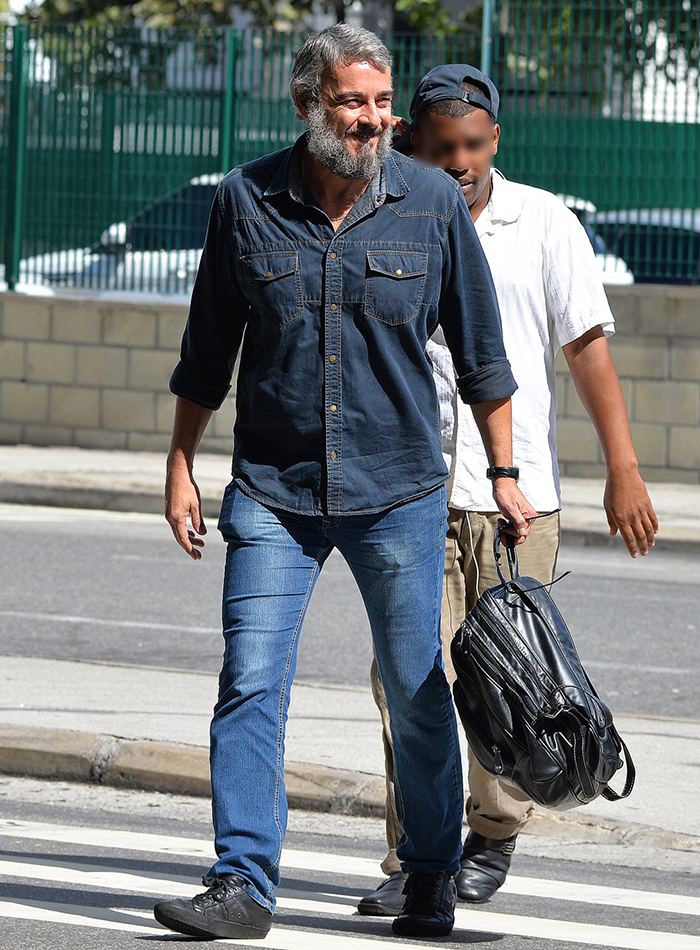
370	114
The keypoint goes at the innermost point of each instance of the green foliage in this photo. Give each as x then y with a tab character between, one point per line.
193	14
423	15
555	39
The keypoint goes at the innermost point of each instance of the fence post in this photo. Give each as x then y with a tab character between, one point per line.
486	36
226	150
16	151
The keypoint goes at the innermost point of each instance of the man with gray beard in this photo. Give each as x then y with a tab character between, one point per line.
329	264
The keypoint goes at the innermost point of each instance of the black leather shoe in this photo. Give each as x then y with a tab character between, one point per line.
225	909
429	910
387	900
485	863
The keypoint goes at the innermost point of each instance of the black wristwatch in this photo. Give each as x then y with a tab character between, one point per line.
503	471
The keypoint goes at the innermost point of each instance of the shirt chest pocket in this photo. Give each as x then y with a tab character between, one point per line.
395	284
272	282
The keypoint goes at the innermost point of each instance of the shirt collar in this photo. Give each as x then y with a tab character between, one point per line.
504	206
387	181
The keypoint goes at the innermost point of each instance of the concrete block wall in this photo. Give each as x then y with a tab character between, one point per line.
94	373
656	350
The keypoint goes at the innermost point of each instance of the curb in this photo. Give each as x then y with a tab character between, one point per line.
168	767
63	754
93	496
130	499
600	538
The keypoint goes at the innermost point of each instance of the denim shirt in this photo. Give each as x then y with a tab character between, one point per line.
336	407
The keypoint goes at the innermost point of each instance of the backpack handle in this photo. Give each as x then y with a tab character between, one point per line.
511	553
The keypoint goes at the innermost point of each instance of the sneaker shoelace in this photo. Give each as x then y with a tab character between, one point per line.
424	892
217	891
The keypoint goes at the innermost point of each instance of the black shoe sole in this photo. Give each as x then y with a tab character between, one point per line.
376	910
474	900
218	929
418	927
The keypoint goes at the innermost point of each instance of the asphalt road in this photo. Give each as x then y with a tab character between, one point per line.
81	867
115	587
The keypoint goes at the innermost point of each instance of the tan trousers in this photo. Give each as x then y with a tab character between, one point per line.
494	810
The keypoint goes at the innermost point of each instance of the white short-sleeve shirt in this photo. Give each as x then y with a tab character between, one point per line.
550	293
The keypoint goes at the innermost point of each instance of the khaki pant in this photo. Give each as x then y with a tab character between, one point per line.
494	810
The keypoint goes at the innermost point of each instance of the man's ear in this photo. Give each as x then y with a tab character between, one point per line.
496	137
300	107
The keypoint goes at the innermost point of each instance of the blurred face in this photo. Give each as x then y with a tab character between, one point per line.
350	128
463	147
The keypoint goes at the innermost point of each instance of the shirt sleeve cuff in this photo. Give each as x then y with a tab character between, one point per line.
191	383
493	381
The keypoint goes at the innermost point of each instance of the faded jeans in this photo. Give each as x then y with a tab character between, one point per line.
273	561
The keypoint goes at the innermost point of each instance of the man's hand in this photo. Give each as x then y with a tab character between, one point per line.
399	125
626	500
182	500
629	510
514	506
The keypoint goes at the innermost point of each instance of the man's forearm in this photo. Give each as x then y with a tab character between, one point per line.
189	426
598	387
494	421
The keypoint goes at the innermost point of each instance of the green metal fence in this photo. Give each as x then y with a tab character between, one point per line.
111	141
601	100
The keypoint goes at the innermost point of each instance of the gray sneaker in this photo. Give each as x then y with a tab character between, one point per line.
225	909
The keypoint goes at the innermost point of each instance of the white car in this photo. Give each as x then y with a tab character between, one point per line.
155	252
614	270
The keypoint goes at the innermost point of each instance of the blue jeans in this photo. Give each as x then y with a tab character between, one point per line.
273	561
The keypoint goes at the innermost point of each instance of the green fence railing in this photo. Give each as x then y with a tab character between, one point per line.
112	140
601	100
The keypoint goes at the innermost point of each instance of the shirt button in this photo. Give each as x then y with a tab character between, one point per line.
399	271
334	408
332	358
268	273
334	454
334	306
333	256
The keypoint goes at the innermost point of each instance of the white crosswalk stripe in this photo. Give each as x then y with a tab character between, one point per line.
87	874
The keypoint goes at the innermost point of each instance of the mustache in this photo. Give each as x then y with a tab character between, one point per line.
366	132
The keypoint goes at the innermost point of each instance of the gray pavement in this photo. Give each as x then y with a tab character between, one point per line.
112	586
147	726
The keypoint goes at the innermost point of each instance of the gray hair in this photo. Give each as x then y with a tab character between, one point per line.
323	51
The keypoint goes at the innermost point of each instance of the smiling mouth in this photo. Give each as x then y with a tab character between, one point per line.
466	183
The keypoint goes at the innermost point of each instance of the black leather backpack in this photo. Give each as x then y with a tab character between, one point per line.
530	712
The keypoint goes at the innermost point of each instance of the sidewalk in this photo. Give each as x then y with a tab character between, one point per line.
148	728
133	481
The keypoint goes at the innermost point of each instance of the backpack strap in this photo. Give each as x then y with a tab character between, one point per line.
511	552
609	793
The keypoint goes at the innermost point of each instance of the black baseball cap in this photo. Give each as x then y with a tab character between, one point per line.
445	82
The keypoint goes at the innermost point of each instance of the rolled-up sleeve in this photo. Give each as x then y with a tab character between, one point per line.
469	314
216	321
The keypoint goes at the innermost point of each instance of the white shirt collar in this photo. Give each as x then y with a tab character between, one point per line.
504	206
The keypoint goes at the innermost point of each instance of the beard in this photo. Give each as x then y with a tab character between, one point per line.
333	152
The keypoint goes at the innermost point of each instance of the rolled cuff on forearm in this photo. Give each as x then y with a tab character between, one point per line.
191	383
493	381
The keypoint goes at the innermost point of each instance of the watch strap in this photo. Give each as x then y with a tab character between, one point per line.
503	471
